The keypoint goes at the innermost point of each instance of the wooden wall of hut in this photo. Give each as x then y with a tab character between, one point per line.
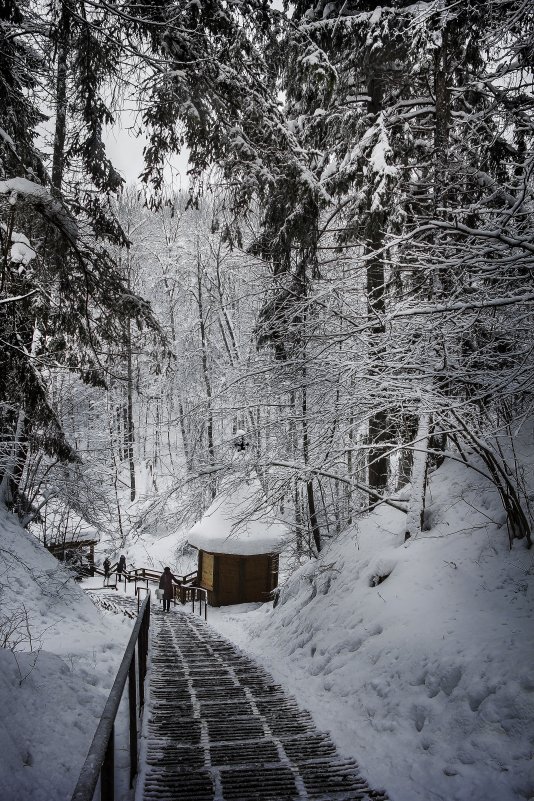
235	579
84	548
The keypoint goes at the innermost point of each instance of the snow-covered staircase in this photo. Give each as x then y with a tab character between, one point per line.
115	602
219	729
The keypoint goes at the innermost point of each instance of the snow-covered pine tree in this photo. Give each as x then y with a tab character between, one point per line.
402	104
62	295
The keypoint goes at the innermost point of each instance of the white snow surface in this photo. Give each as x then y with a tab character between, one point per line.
426	678
236	523
52	689
39	196
21	253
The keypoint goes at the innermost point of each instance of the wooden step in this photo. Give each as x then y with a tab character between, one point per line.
220	729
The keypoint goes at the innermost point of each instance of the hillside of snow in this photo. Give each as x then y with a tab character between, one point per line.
235	522
161	541
416	656
58	660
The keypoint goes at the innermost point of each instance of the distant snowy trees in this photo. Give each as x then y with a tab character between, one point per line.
63	301
356	294
395	220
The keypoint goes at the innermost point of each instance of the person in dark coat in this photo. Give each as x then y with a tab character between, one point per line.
106	566
166	584
121	567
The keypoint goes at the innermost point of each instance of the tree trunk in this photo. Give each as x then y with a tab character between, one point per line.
378	459
12	475
116	482
316	531
408	431
205	370
8	486
60	132
298	519
129	415
378	422
185	437
441	128
416	508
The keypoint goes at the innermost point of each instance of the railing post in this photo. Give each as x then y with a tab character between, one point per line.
101	756
146	626
132	701
142	651
107	775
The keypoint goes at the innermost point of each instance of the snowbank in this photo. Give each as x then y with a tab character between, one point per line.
29	192
236	523
418	656
61	659
161	540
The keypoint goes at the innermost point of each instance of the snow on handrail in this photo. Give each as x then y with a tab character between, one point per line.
100	758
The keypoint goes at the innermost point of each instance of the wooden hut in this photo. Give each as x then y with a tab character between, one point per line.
75	552
238	546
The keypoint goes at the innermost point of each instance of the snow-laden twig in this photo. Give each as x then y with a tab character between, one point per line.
21	190
17	298
302	469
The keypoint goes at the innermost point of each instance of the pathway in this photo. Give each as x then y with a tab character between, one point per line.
220	729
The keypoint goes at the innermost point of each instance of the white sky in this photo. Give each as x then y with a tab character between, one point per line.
126	153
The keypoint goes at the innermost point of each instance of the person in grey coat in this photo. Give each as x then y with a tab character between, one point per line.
166	584
121	568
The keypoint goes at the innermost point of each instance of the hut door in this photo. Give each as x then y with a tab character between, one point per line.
206	579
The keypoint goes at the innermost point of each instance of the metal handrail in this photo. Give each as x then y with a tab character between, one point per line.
100	760
202	594
107	583
143	573
147	572
185	584
138	593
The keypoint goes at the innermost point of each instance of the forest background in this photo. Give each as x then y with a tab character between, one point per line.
345	291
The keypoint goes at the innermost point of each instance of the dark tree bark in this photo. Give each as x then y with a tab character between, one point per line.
310	497
378	422
205	368
129	413
60	132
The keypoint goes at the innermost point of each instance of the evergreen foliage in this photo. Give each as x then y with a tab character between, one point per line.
63	300
373	170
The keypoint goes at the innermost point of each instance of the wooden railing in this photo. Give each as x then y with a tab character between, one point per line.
138	574
202	595
100	761
185	590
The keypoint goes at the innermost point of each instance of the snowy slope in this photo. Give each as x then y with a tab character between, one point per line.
236	524
416	656
160	542
427	677
54	683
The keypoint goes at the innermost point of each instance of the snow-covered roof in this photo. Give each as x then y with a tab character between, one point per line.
237	523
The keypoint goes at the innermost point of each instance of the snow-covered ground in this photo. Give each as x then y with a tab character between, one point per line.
427	677
53	686
161	542
417	656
